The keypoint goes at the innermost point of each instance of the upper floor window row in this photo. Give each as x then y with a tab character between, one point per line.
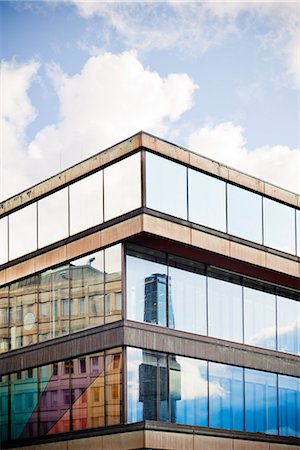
170	188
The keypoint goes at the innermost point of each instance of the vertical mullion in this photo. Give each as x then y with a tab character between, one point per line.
187	195
143	179
124	415
123	281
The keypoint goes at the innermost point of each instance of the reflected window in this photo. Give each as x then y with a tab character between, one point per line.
22	223
279	226
244	213
53	218
86	195
261	402
259	318
146	291
288	325
113	282
3	240
225	310
122	187
226	397
113	386
166	186
207	200
4	320
289	405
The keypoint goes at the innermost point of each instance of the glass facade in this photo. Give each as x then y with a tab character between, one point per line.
22	223
85	293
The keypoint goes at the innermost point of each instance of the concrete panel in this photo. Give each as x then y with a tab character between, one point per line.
166	229
20	270
51	258
210	242
83	245
281	194
208	165
248	254
92	443
168	441
2	277
274	446
239	444
212	443
281	264
165	148
246	180
121	231
124	441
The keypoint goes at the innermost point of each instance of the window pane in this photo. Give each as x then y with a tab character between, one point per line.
298	231
4	408
261	402
279	226
244	213
53	218
224	310
207	200
22	223
113	387
86	203
166	186
146	291
289	406
23	312
187	301
87	291
260	318
226	397
122	187
4	319
88	393
3	240
113	283
288	322
188	391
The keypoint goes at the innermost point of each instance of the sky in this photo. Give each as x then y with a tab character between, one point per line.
219	78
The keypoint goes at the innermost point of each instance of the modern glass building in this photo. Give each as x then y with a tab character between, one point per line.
150	299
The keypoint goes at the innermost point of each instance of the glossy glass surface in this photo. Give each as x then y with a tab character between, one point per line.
226	397
187	301
298	230
244	213
122	187
146	291
3	408
188	391
86	203
207	200
113	283
279	226
261	402
4	320
22	223
225	310
289	405
113	387
288	325
23	313
259	318
53	219
87	291
166	186
3	240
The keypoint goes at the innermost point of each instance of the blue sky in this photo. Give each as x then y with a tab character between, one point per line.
220	78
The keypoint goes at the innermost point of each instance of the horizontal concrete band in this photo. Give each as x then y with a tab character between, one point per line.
264	264
146	141
150	337
161	436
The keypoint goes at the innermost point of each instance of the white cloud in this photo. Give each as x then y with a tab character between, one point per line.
226	143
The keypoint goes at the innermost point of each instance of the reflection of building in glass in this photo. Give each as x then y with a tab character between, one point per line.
149	298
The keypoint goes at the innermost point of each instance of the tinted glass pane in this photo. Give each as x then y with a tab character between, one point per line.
166	186
53	218
288	323
113	386
4	319
146	291
24	398
259	318
225	310
134	403
87	381
187	301
207	200
188	391
113	283
22	223
261	402
3	408
122	187
244	213
289	405
298	231
226	397
23	312
3	240
87	291
86	203
279	226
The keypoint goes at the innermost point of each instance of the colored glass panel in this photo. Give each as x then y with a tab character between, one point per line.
3	408
113	387
289	405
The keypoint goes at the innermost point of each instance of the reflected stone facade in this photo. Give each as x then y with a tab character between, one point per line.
153	304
